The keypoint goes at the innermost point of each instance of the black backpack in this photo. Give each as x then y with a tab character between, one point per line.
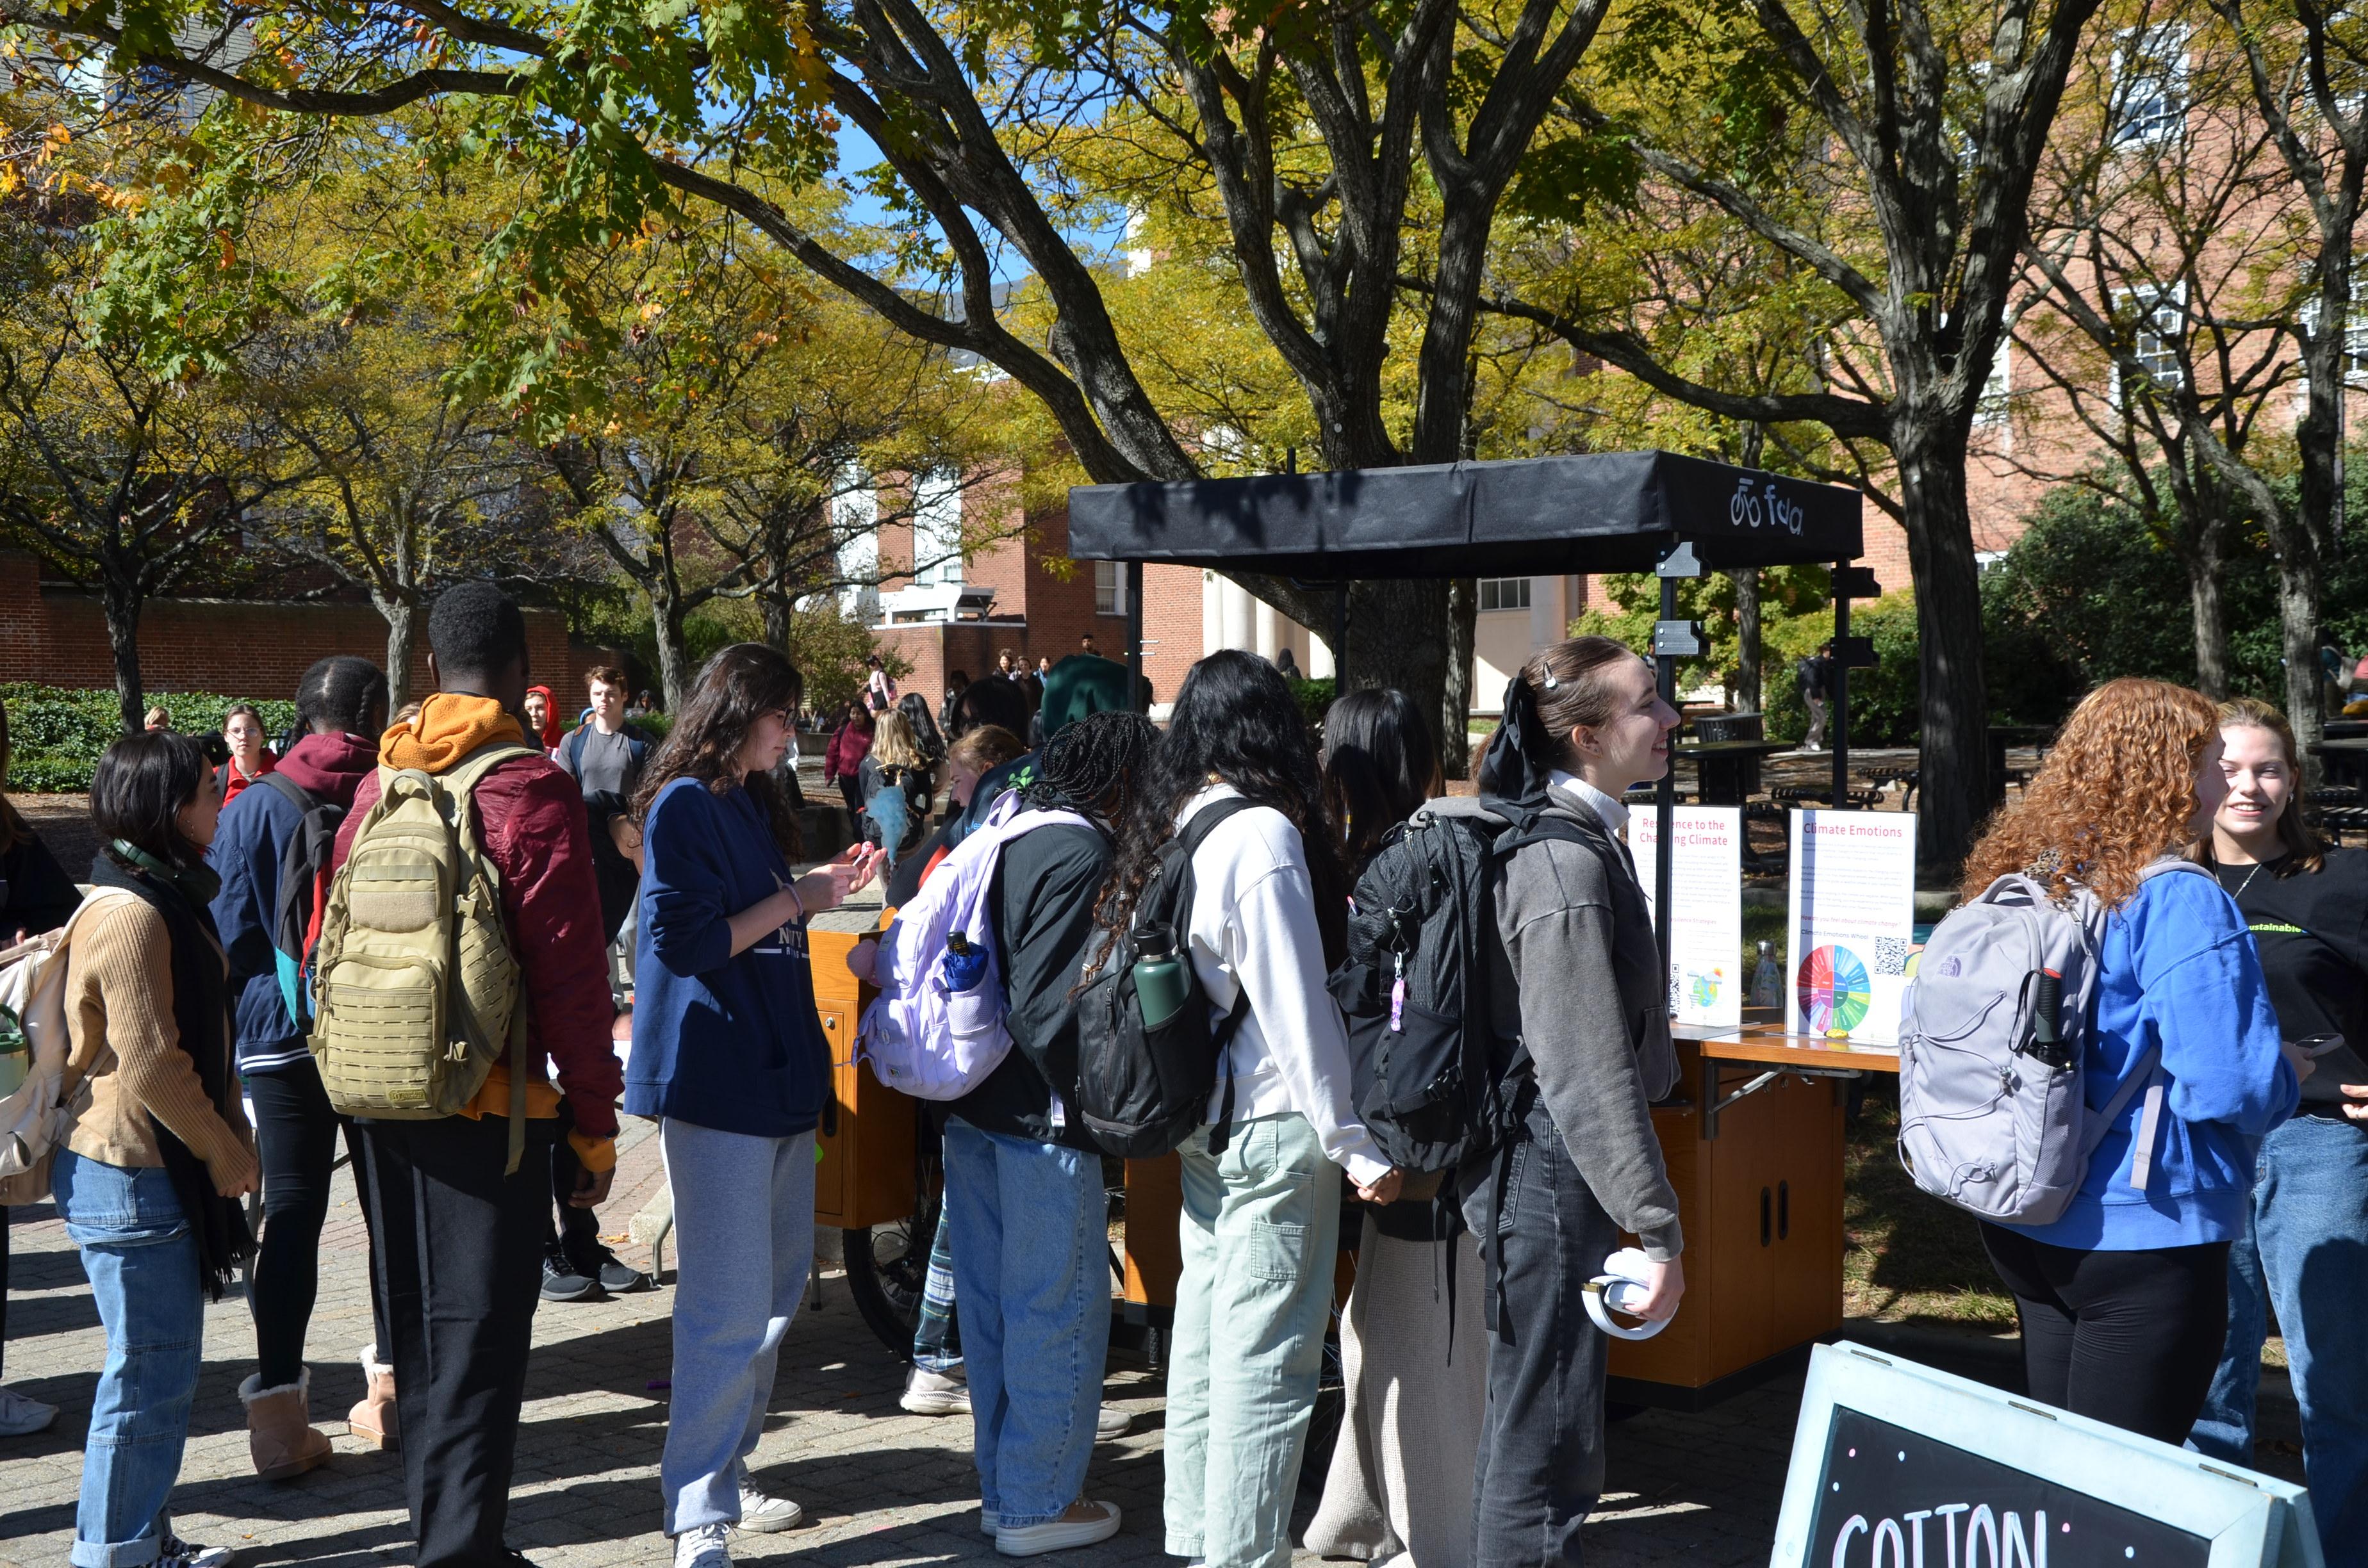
1142	1091
1429	1084
1811	673
303	884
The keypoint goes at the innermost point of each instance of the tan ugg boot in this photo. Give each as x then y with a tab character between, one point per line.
373	1419
279	1436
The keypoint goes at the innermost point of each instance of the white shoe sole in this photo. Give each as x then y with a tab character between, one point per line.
787	1519
1060	1535
1111	1424
989	1521
935	1403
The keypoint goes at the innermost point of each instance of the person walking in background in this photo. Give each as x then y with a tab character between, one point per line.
957	682
1024	1193
728	1055
1583	1048
157	1152
929	740
1261	1183
35	895
2123	1300
895	799
2303	1250
1398	1487
842	762
273	837
1815	677
250	757
543	720
456	1225
879	685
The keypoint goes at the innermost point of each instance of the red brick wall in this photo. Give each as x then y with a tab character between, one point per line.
250	648
1171	626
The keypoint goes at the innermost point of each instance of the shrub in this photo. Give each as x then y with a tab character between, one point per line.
55	735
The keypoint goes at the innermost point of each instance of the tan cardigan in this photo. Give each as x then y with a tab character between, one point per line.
127	1048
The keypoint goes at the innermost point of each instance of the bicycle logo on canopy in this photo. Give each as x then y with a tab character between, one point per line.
1745	509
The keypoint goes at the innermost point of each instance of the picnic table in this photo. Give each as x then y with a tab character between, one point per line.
1726	773
2346	760
2002	736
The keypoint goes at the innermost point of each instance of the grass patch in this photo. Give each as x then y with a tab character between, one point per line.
1907	1255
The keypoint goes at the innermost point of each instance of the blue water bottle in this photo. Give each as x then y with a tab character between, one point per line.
965	965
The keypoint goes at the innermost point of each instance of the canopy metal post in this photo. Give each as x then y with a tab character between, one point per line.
1672	640
1850	653
1135	637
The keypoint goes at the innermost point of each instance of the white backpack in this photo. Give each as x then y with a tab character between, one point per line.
921	1035
1985	1121
33	998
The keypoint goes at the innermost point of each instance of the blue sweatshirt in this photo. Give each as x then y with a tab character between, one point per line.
2178	967
719	1041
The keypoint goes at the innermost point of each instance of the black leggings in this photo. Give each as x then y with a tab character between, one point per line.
2129	1338
296	1134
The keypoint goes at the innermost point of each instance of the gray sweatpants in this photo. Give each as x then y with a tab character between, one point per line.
744	1239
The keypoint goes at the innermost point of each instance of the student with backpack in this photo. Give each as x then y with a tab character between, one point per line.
894	787
272	853
157	1152
1415	1374
1578	1011
1235	787
728	1055
2123	1292
2304	1246
459	961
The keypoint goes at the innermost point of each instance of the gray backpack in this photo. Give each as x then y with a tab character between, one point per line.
1992	1117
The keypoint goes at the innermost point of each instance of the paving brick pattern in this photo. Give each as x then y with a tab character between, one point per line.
881	1487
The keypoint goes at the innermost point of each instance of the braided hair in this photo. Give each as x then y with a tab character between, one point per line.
1091	765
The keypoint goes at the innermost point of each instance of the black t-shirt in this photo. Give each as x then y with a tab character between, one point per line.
2311	929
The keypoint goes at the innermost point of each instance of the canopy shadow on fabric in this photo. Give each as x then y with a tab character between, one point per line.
1523	517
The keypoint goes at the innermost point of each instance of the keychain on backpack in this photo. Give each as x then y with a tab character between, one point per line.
1397	994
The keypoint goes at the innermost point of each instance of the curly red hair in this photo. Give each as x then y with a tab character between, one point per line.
2117	792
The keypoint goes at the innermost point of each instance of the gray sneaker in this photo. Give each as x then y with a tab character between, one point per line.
21	1416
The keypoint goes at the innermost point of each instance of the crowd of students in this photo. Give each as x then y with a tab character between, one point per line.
2242	1189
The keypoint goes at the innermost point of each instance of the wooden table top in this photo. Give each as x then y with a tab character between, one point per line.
1770	1045
1736	748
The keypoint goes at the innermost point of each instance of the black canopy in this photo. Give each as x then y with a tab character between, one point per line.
1525	517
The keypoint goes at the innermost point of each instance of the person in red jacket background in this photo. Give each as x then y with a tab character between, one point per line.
461	1327
843	762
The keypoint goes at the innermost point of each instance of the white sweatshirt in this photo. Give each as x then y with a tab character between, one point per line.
1253	931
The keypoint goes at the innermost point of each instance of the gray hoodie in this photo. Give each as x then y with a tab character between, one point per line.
1577	958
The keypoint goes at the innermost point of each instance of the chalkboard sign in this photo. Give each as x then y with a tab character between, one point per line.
1897	1465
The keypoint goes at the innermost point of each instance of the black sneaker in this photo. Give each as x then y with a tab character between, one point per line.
616	1276
560	1280
174	1552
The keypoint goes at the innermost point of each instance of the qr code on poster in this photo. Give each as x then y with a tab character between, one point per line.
1890	956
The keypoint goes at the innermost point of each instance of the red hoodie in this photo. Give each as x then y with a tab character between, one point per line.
234	783
531	823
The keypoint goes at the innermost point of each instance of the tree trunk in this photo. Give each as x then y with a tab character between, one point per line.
122	601
401	617
1462	673
1954	766
2209	610
666	622
1390	643
778	624
2298	589
1746	639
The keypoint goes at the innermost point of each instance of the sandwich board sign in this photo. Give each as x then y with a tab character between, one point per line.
1897	1465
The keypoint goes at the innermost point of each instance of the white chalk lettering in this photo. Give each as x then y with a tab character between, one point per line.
1854	1525
1889	1531
2014	1547
1916	1533
1982	1526
1948	1526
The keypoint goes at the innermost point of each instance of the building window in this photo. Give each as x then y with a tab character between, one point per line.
1997	387
2149	96
2158	320
1109	587
1504	593
2355	336
936	528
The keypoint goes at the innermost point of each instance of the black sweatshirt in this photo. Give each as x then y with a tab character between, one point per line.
36	894
1042	907
2312	931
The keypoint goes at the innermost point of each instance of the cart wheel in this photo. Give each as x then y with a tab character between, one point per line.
887	1268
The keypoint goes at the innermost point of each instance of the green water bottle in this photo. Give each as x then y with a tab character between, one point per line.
1160	980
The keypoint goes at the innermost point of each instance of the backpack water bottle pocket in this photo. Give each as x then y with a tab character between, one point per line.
375	1014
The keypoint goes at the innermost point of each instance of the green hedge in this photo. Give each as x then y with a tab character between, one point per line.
55	735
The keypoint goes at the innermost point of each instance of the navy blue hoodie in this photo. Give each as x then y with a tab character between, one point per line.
726	1042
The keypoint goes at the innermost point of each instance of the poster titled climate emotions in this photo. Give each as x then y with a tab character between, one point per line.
1851	924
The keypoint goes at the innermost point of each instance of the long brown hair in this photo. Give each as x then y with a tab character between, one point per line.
737	686
2116	794
2306	851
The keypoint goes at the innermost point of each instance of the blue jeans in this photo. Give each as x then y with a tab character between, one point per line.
1031	1268
2304	1250
142	1265
1261	1228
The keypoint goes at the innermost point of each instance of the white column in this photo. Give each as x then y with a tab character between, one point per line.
1212	614
1319	658
1270	624
1240	624
1546	617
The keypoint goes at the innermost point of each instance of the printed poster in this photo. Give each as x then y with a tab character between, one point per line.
1850	920
1706	976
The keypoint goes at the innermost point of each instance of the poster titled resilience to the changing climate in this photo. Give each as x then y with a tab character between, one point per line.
1706	975
1851	924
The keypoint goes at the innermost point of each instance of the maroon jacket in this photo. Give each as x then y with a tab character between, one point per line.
848	747
531	823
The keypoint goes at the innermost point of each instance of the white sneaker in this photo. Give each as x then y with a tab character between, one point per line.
1059	1535
1111	1423
762	1514
989	1521
21	1417
702	1546
936	1393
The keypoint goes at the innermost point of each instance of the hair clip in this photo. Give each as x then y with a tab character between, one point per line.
1550	681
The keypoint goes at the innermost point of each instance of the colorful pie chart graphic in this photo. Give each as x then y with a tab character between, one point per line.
1834	990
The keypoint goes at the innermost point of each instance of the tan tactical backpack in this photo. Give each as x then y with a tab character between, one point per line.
415	990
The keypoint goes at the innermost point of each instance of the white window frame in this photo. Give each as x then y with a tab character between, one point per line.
936	527
1509	593
1996	402
2355	337
2150	99
1109	587
2149	305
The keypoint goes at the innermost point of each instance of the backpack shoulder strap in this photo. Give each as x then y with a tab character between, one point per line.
295	794
1206	819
